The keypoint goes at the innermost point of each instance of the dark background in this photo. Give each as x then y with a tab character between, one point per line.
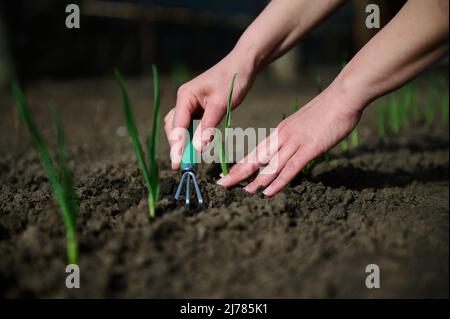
179	36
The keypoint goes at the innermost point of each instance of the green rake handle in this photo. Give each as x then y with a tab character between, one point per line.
188	159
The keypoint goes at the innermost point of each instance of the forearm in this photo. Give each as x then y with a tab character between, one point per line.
415	39
278	27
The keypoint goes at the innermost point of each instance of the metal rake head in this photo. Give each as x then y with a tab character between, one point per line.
188	174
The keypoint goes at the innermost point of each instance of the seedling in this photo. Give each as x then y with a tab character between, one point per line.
444	108
309	167
223	153
351	141
429	110
407	104
381	118
414	105
344	145
296	105
150	171
394	114
59	175
318	82
354	138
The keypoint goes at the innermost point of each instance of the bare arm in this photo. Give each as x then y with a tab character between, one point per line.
278	28
274	32
416	38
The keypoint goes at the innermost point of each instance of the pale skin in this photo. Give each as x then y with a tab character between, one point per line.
413	40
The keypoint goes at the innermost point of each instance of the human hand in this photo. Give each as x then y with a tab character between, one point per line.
300	138
207	93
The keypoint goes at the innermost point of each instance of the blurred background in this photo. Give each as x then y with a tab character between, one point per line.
183	37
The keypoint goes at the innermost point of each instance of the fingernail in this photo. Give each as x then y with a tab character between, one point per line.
223	181
268	191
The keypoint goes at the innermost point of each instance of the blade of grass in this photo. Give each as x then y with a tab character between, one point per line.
354	138
223	153
407	104
414	106
381	119
404	107
296	105
67	185
318	82
429	110
344	146
309	167
394	114
444	108
134	136
153	147
64	173
67	212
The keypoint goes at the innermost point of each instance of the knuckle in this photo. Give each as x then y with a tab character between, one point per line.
289	168
182	90
281	126
167	118
216	102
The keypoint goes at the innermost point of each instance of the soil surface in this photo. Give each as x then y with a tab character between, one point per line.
385	203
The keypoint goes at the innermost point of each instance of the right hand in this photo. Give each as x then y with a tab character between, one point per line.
207	93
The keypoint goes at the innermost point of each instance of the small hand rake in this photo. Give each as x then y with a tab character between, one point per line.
188	169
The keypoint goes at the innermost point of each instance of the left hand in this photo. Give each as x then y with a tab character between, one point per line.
300	138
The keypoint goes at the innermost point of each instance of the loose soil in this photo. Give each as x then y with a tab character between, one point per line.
385	203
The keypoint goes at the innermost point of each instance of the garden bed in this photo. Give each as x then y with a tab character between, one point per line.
385	203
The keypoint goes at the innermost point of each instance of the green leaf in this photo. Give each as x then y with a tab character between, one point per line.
223	155
132	130
381	118
354	138
64	174
64	193
296	105
150	172
318	81
394	113
230	96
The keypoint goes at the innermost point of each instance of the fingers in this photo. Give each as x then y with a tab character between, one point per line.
168	120
292	167
206	129
249	164
184	108
177	124
270	172
238	172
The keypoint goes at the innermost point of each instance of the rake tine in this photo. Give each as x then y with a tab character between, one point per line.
180	187
197	190
188	192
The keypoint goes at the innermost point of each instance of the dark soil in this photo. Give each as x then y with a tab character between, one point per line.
385	203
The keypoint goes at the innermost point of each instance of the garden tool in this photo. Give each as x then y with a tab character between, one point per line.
188	169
